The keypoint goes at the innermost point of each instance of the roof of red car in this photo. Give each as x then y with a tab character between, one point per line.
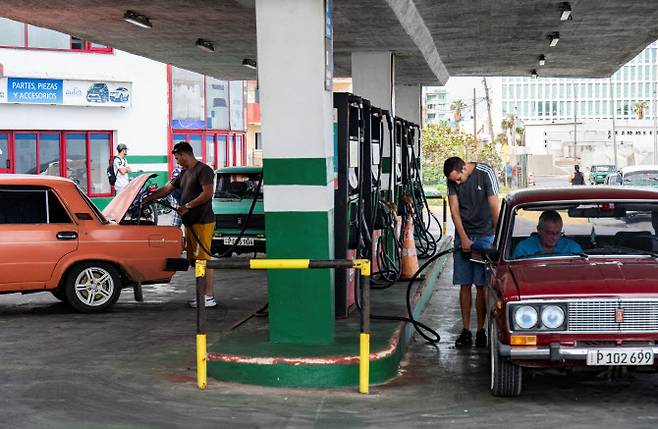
31	179
581	193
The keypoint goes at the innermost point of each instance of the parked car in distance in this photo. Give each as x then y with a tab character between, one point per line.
54	239
595	306
598	173
119	95
98	92
639	175
236	192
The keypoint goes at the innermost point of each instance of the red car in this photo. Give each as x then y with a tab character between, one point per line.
53	238
592	300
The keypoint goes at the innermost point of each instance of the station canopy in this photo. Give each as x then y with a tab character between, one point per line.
432	39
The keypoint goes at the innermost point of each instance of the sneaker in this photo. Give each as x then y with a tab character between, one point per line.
481	338
210	302
465	339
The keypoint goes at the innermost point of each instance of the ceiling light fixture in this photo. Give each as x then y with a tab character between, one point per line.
554	38
542	60
565	8
249	63
533	73
205	45
137	19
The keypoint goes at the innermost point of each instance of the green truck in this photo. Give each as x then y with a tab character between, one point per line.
236	190
598	173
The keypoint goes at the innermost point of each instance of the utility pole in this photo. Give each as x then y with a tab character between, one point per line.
614	129
486	94
655	125
575	124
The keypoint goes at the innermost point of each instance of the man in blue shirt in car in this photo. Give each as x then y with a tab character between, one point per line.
548	240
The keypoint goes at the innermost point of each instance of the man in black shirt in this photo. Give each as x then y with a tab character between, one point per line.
473	200
196	185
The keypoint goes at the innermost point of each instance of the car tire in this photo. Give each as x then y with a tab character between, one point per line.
506	378
92	287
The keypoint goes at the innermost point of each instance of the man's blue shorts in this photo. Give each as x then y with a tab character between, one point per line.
466	272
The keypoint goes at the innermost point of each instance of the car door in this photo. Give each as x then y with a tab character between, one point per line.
36	231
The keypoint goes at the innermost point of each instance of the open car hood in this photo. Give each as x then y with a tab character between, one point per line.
576	278
116	210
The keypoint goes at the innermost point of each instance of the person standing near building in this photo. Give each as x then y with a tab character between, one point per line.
174	199
577	177
195	182
474	207
121	168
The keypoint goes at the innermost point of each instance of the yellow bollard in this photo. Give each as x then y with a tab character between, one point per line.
364	362
201	362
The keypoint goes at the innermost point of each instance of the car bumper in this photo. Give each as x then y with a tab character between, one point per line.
554	352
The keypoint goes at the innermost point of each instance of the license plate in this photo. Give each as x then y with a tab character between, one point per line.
244	241
615	357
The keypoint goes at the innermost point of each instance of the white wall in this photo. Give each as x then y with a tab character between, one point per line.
143	126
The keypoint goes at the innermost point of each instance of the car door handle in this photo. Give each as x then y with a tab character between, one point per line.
67	235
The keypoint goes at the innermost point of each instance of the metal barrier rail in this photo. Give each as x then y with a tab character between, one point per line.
363	278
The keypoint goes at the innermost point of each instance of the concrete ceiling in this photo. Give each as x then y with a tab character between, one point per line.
432	39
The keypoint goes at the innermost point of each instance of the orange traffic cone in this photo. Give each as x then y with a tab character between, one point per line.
409	257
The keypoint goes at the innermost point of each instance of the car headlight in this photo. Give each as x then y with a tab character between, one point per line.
552	316
525	317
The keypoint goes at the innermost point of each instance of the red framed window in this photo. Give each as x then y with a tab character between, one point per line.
14	34
216	148
82	156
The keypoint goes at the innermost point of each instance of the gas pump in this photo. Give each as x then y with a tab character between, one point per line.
349	133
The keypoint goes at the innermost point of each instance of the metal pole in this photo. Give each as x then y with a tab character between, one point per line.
201	353
614	128
364	336
445	215
655	125
575	125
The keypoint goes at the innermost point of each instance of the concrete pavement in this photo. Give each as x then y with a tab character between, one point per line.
134	368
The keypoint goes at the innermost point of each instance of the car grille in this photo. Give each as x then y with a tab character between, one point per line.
226	221
601	316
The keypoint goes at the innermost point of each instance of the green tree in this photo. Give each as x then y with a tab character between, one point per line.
456	107
639	107
441	142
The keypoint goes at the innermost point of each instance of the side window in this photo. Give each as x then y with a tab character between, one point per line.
22	206
56	211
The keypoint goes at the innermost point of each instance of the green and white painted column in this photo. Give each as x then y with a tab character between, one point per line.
296	115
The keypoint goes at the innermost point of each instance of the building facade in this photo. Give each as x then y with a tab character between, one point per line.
66	103
435	105
572	118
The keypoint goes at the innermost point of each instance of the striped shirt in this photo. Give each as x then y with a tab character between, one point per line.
473	196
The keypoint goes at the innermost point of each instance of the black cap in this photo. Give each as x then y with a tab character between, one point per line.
182	147
121	147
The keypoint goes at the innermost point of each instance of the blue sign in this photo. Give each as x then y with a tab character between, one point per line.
34	91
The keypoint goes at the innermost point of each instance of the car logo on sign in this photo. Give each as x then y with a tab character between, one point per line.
619	315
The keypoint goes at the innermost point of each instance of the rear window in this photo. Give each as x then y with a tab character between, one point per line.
641	178
238	185
31	205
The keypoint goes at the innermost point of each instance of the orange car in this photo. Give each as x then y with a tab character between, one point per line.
53	238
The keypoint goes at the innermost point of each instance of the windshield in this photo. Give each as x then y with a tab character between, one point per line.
641	178
92	206
584	229
602	168
237	185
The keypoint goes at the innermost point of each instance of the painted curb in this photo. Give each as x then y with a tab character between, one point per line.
327	371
